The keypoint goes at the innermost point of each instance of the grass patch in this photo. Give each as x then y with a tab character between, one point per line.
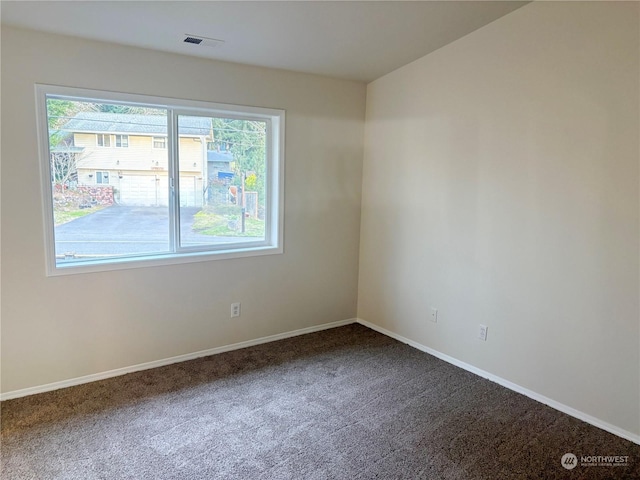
226	223
65	216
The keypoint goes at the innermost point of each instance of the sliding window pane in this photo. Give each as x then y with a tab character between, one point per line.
109	185
222	180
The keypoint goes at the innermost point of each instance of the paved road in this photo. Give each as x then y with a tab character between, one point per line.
118	230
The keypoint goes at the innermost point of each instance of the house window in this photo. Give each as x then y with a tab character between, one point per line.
182	203
103	140
102	178
122	141
159	142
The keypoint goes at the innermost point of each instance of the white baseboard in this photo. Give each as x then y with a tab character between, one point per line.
168	361
272	338
511	386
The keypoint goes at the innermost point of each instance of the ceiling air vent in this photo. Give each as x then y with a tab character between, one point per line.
203	41
195	40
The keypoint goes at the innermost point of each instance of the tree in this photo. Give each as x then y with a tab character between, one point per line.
58	112
64	164
246	141
108	108
63	158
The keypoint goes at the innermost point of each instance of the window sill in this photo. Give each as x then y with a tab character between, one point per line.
158	260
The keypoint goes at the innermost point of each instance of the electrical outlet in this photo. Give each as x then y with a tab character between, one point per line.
482	332
235	310
434	315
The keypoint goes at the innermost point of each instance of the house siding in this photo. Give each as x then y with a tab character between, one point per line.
139	172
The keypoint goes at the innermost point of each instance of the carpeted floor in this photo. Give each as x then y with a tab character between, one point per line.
346	403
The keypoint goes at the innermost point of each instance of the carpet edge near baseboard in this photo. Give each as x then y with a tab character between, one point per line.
596	422
168	361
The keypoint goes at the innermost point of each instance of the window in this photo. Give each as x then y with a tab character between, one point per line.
122	141
159	142
102	177
211	187
103	140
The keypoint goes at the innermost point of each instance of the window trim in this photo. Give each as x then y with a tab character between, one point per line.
104	136
153	142
122	137
103	174
274	180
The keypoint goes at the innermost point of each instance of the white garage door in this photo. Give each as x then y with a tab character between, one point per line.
144	190
153	191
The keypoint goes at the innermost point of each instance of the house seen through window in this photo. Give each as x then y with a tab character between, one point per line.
219	193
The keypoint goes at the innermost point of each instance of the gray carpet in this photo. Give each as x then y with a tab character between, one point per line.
346	403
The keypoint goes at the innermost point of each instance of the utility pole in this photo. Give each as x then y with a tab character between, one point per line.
243	202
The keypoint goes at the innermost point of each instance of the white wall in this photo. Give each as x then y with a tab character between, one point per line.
59	328
501	187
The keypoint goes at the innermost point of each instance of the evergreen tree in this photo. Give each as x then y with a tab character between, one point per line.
246	141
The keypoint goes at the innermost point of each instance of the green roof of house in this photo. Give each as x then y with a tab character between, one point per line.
129	123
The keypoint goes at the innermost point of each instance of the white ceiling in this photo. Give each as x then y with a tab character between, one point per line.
352	40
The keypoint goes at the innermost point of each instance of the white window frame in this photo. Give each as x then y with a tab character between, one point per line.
104	136
103	174
123	144
274	180
153	142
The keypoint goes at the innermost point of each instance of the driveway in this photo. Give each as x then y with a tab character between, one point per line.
118	230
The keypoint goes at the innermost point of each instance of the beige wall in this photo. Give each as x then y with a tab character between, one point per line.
59	328
501	187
